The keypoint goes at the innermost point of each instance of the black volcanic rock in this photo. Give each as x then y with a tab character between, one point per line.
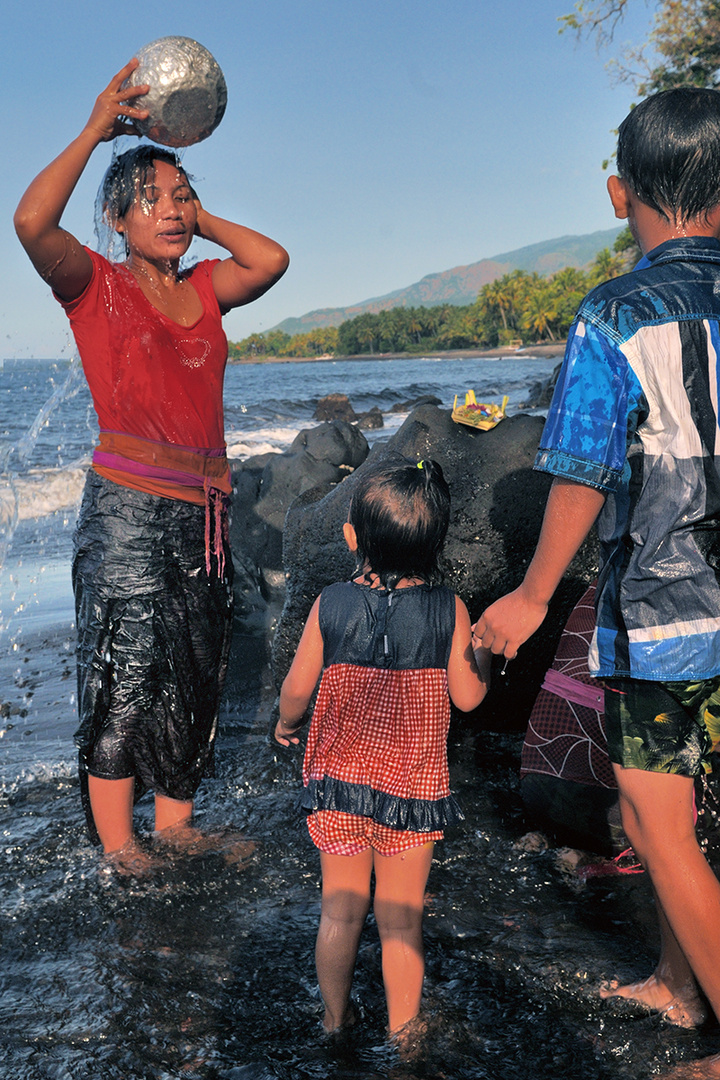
497	507
335	407
264	486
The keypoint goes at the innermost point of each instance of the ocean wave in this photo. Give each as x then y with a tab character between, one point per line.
273	439
41	492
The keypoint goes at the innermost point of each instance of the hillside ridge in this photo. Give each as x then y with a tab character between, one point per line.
461	284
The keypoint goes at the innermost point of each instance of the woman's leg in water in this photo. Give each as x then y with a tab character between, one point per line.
400	882
172	813
345	904
111	802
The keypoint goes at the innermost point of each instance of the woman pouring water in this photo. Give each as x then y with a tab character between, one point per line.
152	569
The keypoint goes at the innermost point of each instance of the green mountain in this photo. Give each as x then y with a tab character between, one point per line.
462	284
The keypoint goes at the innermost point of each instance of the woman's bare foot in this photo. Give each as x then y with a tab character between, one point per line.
185	839
683	1009
131	861
706	1069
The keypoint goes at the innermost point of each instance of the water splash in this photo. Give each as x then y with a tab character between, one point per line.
15	457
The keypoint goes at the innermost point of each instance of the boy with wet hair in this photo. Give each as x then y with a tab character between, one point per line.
632	436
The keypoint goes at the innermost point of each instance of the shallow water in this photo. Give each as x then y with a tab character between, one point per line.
204	969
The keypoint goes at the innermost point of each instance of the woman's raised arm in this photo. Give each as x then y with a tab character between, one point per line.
55	253
256	262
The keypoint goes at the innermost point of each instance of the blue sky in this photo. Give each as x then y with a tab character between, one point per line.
377	140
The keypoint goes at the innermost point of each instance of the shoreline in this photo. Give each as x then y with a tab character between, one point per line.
546	349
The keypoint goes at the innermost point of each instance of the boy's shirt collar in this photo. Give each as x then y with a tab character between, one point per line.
682	247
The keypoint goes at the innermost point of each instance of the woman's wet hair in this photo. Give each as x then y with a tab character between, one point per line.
400	513
126	177
669	152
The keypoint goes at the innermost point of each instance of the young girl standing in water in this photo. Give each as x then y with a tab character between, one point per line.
396	649
152	571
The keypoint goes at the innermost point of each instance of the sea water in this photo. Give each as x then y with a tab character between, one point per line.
48	428
205	968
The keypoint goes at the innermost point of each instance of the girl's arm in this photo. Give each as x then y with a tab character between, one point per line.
55	253
301	680
256	262
468	671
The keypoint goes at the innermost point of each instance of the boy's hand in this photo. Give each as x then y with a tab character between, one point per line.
508	623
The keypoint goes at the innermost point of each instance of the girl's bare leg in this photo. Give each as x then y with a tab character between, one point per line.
345	904
400	882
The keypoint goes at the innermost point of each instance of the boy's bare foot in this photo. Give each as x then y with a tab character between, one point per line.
706	1069
185	839
683	1009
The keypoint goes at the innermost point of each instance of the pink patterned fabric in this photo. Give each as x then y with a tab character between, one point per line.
565	736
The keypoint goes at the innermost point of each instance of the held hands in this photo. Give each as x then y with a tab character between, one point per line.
114	103
508	623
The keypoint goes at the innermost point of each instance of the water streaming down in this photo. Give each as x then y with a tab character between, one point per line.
205	969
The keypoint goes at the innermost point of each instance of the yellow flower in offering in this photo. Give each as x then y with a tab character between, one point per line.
478	415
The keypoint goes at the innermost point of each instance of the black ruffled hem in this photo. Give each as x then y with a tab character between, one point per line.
412	815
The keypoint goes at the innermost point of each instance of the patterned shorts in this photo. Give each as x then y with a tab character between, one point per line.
667	727
337	833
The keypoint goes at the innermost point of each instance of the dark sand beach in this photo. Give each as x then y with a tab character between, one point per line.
544	350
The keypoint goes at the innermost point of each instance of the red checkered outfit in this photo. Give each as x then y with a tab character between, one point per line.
375	770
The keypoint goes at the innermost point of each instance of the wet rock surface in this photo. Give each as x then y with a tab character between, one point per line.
264	486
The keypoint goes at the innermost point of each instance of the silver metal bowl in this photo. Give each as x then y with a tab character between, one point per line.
187	96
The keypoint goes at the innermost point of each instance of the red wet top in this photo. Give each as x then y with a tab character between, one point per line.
148	375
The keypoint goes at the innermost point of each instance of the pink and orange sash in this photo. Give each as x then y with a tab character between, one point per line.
199	475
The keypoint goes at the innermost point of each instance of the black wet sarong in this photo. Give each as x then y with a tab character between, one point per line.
154	634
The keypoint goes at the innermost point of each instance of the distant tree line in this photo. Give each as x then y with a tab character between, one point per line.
518	307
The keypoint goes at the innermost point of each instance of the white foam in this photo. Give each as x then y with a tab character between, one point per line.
41	492
267	440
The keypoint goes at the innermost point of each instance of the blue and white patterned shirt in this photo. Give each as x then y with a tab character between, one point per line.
635	415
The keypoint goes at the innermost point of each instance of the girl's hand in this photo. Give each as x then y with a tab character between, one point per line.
113	103
285	734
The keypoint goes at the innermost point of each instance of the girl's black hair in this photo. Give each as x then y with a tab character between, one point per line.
400	513
669	152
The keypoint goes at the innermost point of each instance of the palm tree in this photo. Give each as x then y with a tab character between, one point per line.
539	312
606	266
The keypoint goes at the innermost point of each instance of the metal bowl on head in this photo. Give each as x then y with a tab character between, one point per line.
187	95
